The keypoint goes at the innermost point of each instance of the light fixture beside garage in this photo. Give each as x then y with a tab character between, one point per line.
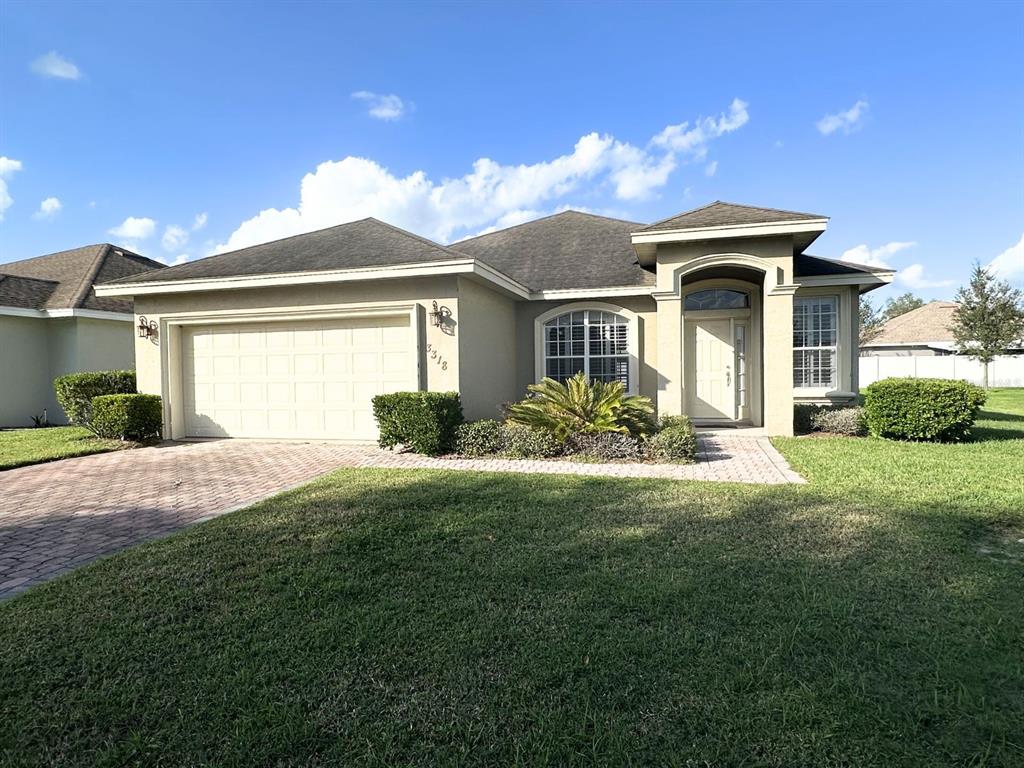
439	315
146	328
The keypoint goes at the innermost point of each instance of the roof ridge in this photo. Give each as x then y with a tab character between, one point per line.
543	218
414	236
684	213
82	292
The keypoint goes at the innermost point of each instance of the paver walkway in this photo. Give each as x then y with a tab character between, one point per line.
57	516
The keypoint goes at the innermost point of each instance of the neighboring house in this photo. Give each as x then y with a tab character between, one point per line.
717	313
925	331
52	323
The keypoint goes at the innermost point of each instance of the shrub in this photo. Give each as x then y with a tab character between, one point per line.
581	405
606	446
75	391
840	421
803	417
940	410
676	442
479	438
519	441
127	417
424	421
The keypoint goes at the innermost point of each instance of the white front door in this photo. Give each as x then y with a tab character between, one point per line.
709	361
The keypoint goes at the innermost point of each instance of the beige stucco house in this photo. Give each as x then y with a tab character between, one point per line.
52	323
718	313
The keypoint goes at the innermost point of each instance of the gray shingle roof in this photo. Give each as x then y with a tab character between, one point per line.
567	250
721	214
64	280
363	243
931	323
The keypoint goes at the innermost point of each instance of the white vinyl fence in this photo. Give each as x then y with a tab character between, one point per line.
1004	371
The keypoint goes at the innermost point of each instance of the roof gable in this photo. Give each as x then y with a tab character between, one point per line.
722	214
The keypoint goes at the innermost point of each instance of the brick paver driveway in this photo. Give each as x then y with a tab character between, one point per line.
55	517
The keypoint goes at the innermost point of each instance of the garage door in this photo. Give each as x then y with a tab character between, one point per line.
309	379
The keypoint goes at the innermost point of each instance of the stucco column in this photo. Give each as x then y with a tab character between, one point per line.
778	360
670	354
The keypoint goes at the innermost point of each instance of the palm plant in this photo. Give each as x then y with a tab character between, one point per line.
585	406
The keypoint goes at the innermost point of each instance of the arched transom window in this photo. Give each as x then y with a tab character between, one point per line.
716	298
594	341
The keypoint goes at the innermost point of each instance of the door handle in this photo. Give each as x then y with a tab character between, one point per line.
728	376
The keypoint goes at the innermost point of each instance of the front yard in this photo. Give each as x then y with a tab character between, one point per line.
871	618
22	447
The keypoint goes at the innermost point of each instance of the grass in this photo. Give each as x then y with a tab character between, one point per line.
21	447
871	618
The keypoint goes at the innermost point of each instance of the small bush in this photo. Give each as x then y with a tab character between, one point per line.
479	438
675	442
840	421
803	417
424	421
604	446
75	391
127	417
519	441
940	410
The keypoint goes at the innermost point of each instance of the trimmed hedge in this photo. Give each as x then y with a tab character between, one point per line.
127	417
519	441
840	421
939	410
676	441
75	391
424	421
479	438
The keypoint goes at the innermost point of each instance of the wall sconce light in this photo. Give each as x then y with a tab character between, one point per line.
439	315
146	328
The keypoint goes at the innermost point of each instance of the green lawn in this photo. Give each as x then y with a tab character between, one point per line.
871	618
21	447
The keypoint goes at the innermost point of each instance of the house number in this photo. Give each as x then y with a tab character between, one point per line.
437	357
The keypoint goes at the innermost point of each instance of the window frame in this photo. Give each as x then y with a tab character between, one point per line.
632	339
836	348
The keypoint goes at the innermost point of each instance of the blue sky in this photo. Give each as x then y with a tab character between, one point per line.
170	128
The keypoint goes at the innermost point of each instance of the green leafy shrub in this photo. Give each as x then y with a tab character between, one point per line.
479	438
840	421
424	421
940	410
75	391
127	417
803	417
585	406
675	442
604	446
519	441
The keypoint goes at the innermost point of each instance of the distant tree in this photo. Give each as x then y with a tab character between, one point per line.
871	321
989	318
900	305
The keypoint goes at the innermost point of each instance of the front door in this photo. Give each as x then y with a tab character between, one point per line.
709	365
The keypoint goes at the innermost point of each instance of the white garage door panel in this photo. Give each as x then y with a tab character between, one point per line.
299	379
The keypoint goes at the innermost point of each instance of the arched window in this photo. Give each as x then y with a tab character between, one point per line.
716	298
594	341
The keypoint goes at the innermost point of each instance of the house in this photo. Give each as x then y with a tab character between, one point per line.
718	313
925	331
52	323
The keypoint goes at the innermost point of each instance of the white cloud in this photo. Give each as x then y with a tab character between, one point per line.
52	64
48	208
173	261
200	221
711	168
913	277
174	238
848	120
1009	265
355	187
877	257
383	106
694	141
8	167
134	228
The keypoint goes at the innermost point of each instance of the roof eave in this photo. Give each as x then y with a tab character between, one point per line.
804	230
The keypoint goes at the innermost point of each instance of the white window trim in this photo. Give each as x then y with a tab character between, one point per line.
840	350
632	337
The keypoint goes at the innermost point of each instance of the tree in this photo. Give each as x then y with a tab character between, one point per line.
900	305
989	318
871	321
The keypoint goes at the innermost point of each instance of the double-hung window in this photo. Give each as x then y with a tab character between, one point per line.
593	341
815	336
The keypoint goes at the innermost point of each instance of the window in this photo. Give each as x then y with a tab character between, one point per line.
716	298
815	328
594	341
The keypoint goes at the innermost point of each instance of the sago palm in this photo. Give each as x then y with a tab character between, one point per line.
581	405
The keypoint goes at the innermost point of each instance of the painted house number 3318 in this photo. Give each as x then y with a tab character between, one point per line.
436	357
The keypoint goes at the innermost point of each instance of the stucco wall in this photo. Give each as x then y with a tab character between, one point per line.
486	329
643	306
